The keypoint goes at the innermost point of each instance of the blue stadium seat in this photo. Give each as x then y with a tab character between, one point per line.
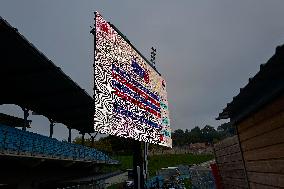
1	138
14	140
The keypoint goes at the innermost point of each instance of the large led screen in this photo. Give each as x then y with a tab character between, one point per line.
130	95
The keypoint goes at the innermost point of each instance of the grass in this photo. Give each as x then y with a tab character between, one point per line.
157	162
116	186
125	160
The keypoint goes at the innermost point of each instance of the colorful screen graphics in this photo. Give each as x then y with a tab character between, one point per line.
130	95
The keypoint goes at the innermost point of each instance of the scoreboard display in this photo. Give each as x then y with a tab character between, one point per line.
130	95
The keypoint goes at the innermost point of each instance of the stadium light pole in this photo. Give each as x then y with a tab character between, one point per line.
146	145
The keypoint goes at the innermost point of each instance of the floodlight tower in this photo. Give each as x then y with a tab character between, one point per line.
153	56
146	145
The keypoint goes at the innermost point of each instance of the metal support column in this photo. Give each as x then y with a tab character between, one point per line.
69	135
93	139
26	115
146	145
51	125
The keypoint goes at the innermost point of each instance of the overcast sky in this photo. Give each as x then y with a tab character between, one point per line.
206	49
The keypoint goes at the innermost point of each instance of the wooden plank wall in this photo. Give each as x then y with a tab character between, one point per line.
262	142
230	163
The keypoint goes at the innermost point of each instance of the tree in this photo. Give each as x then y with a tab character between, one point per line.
78	140
103	144
209	133
119	145
178	137
226	130
196	135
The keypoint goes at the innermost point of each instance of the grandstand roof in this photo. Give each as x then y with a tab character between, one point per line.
265	86
29	79
13	121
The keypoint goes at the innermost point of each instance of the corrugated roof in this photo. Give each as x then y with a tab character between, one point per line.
13	121
266	85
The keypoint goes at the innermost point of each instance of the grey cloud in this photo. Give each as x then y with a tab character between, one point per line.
207	49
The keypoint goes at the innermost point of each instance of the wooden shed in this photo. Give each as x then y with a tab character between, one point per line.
258	114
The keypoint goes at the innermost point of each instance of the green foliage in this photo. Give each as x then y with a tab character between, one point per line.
103	144
226	130
195	135
157	162
187	183
87	142
120	146
125	160
208	134
111	144
116	186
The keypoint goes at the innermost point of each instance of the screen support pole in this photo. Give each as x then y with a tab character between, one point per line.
138	162
146	145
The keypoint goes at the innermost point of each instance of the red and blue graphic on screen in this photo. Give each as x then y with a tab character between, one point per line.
132	91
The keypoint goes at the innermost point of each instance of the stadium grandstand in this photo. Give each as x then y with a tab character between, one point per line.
33	82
